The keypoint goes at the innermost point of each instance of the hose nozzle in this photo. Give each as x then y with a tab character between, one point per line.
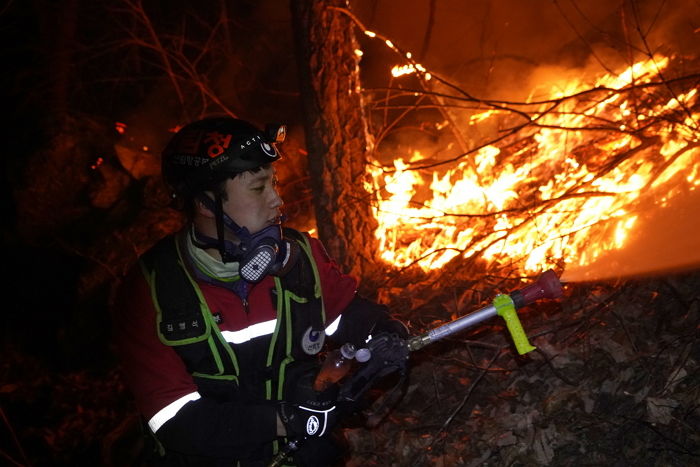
546	286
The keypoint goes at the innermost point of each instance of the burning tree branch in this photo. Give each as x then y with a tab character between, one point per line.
607	146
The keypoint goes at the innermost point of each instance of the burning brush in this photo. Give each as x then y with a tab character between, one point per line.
565	180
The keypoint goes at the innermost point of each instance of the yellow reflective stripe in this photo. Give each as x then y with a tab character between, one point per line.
318	293
212	328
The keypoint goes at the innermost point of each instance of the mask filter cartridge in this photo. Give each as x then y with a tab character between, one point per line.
260	262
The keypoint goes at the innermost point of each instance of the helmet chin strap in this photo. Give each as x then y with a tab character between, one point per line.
228	250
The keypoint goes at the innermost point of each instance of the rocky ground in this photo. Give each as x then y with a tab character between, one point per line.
615	380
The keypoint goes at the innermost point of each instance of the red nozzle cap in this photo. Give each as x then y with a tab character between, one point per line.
547	286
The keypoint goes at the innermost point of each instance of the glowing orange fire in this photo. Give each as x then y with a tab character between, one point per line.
566	194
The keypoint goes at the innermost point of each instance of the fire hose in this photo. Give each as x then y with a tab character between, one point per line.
547	285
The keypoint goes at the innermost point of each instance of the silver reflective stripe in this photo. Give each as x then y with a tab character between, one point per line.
333	326
169	411
251	332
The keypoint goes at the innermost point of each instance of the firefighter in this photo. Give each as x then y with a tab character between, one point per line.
219	328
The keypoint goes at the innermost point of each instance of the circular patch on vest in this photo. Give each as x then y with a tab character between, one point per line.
312	341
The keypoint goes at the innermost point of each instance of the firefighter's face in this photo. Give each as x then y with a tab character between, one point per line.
253	201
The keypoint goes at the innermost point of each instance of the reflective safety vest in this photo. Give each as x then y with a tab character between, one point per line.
185	322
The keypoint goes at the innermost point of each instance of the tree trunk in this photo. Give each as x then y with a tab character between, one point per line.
336	132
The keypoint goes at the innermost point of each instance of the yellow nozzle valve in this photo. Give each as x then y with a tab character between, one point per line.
506	309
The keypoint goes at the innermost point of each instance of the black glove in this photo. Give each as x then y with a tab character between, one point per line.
306	422
389	352
307	413
389	355
391	326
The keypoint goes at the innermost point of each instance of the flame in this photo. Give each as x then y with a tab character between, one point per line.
408	69
567	193
400	70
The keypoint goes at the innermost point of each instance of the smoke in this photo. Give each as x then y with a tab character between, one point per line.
489	47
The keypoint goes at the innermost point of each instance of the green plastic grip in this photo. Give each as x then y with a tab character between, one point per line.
506	309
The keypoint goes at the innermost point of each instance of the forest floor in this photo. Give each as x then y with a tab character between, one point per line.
615	380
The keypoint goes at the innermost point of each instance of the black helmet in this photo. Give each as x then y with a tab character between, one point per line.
210	150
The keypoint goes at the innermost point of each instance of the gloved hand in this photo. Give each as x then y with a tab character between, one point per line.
389	352
307	413
389	355
305	422
391	326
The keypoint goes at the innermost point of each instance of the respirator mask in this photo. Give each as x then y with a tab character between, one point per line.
263	253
